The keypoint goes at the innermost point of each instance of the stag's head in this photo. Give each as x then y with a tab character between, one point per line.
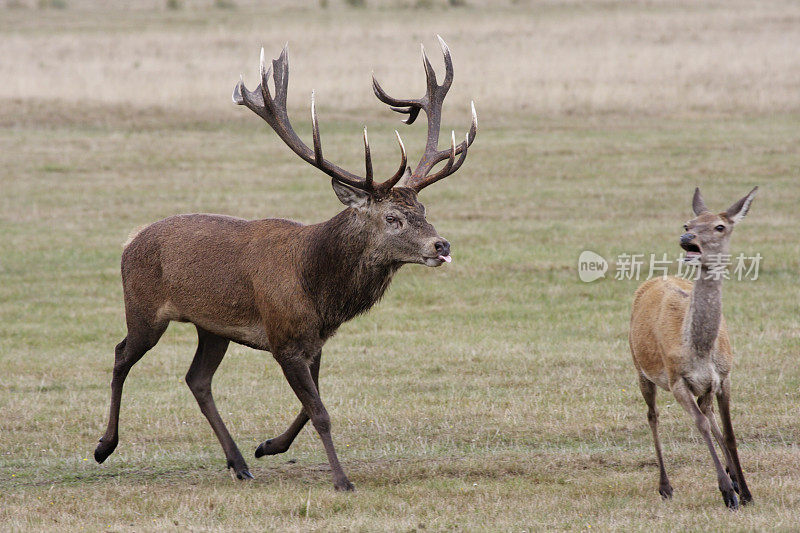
390	211
398	230
707	237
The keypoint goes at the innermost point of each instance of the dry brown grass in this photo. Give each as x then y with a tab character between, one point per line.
541	57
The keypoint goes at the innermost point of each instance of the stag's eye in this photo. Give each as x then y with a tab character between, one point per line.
720	228
393	221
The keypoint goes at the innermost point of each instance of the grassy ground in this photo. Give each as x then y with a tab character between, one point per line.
493	393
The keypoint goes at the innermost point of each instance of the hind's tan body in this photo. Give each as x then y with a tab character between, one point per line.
660	309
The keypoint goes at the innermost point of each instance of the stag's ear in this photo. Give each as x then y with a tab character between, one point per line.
737	211
350	196
698	205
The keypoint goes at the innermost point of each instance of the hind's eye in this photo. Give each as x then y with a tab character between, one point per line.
390	219
720	228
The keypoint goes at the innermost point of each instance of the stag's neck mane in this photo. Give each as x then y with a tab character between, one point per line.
704	314
341	270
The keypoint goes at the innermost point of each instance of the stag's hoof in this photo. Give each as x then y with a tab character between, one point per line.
665	491
240	469
746	498
104	449
268	447
344	486
244	474
729	496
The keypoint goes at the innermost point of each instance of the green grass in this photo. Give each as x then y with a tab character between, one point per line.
495	393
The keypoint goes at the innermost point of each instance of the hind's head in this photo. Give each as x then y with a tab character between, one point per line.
707	236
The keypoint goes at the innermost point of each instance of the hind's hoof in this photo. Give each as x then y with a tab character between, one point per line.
731	501
344	486
733	480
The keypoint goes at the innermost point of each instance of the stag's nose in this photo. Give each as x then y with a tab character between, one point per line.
686	238
442	247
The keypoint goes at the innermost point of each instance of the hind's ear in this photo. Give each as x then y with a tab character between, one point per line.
698	205
737	211
350	196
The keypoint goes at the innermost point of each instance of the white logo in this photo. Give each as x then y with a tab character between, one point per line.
591	266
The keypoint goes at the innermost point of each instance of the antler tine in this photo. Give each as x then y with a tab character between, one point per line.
470	137
273	111
430	74
237	92
448	64
281	75
367	161
406	107
391	182
463	157
315	132
265	73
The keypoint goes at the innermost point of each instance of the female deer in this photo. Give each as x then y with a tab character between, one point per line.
679	342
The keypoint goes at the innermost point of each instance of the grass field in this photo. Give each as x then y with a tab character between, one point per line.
494	393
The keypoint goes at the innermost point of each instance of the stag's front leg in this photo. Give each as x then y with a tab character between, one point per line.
282	442
296	368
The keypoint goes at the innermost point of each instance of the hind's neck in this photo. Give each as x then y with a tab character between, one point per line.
703	318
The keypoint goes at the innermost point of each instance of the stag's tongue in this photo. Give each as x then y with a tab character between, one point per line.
445	258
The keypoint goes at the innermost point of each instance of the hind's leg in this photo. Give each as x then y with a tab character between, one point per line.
648	389
140	338
706	406
682	393
723	399
210	351
281	443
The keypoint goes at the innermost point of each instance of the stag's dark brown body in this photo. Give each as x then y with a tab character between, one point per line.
259	283
278	285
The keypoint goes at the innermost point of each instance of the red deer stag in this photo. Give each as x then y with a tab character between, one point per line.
278	285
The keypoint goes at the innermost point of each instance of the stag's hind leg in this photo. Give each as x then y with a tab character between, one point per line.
648	389
282	442
210	351
139	340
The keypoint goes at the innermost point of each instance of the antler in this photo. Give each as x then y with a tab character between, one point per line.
273	111
431	103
